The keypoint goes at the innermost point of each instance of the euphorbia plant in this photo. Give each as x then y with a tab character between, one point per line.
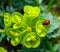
27	29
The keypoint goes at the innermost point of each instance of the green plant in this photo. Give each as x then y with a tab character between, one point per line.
26	29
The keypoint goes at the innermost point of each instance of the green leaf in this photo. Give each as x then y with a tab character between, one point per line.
1	12
50	46
56	47
50	4
39	1
53	31
18	4
29	1
43	7
1	22
10	9
2	36
55	24
53	21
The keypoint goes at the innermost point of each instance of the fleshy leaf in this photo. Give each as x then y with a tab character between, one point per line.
54	33
56	47
54	25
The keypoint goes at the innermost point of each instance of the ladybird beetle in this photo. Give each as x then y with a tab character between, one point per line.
46	22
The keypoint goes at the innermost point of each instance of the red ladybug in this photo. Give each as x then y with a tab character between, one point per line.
46	22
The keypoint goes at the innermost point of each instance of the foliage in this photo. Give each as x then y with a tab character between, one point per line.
26	27
54	28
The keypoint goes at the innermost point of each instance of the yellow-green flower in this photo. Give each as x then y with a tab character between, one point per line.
7	20
15	41
12	33
40	29
16	17
31	40
26	29
33	12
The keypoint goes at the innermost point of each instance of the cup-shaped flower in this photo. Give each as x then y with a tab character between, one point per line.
33	12
16	17
40	29
31	40
12	33
15	33
15	41
7	20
